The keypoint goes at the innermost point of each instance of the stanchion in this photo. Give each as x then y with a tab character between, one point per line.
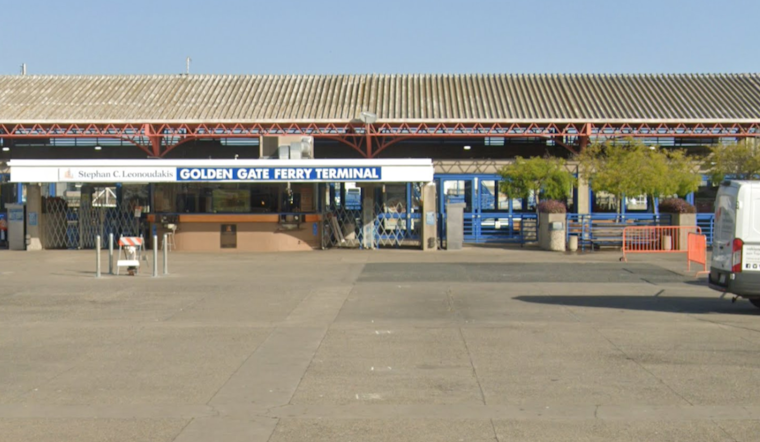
155	256
97	256
166	255
110	253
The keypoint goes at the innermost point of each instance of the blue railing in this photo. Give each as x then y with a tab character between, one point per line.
506	227
495	227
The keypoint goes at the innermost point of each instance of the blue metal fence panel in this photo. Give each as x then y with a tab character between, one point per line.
706	222
498	227
505	227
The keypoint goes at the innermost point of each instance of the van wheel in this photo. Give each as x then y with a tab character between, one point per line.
755	302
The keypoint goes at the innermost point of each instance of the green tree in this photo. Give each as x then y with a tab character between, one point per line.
633	168
740	161
545	177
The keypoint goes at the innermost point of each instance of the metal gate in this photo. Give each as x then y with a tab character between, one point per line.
395	220
67	225
489	216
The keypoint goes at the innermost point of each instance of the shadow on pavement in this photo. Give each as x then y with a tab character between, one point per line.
653	304
701	281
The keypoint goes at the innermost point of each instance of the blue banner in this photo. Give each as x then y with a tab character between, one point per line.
279	173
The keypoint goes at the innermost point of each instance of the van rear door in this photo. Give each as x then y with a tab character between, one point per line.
725	226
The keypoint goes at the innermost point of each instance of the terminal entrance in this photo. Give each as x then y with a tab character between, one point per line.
394	221
490	216
361	204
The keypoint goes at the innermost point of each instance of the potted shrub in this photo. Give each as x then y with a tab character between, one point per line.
682	214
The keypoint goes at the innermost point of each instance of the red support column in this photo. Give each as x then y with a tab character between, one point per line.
368	154
582	143
155	140
584	138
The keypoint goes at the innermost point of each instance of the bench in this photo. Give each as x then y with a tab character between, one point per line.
603	233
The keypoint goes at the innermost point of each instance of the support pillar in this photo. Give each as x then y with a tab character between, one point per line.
584	199
583	142
429	218
368	216
33	216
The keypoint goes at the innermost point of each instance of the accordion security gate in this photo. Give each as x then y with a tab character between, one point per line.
344	228
389	224
76	227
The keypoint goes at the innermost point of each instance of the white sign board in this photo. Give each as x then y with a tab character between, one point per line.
116	174
264	171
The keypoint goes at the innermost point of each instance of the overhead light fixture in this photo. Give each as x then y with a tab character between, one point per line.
98	148
6	148
467	147
368	117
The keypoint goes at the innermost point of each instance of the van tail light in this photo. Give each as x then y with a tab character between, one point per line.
736	257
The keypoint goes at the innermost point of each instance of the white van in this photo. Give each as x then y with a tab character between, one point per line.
735	266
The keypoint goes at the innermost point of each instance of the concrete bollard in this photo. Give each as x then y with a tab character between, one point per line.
97	256
110	253
166	256
155	256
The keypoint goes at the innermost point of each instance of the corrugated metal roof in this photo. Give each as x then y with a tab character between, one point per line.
394	98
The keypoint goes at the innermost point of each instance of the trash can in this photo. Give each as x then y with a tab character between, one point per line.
572	243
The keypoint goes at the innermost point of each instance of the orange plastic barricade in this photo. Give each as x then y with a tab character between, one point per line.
656	239
130	254
697	252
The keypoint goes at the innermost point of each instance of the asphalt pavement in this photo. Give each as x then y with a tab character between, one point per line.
482	344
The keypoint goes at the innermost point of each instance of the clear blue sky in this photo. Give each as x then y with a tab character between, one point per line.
381	36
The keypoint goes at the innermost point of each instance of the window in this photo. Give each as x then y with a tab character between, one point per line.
459	191
489	192
230	198
704	197
104	197
604	202
637	204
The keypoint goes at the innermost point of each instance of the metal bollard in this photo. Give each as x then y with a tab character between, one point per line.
110	253
97	256
155	256
166	256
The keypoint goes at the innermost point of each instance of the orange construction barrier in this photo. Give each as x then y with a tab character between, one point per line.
697	252
656	239
130	254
